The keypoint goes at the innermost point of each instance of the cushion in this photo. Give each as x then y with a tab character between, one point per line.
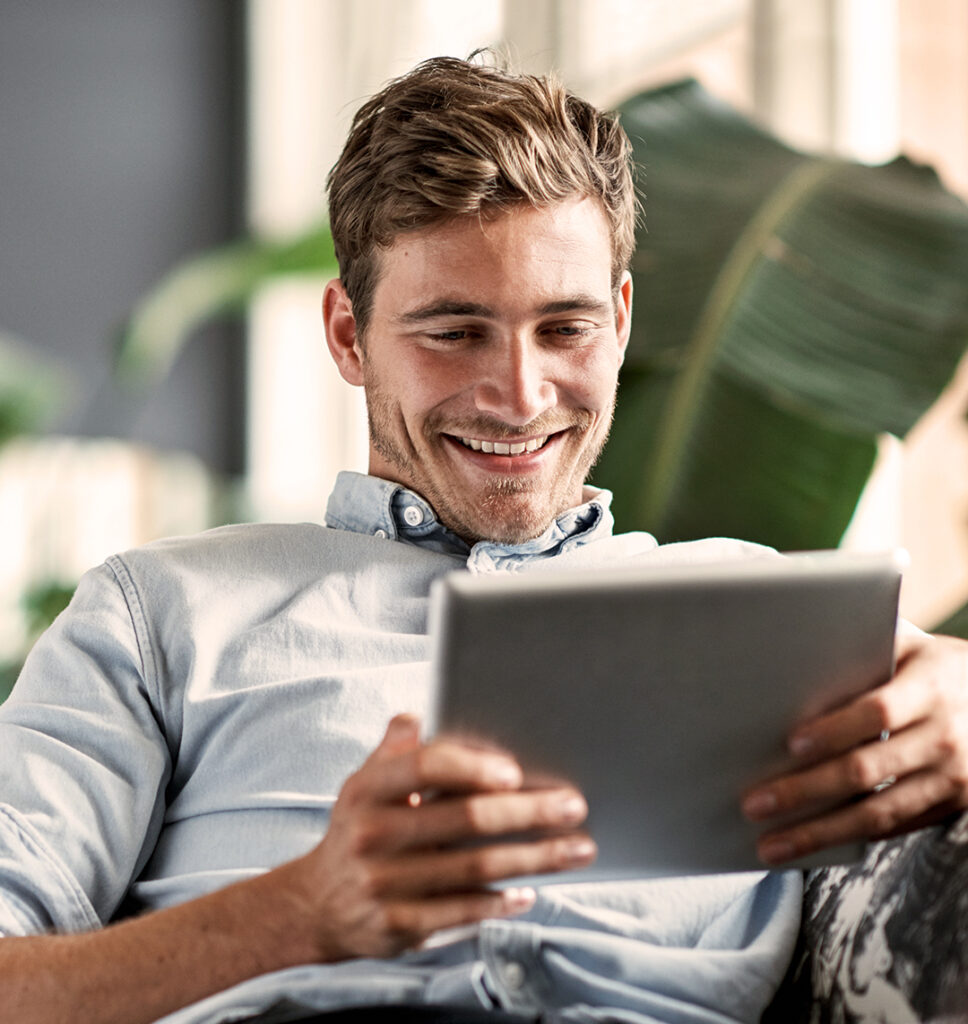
884	940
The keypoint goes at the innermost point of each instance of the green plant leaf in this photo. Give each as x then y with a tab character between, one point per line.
8	676
43	602
955	625
789	308
31	389
207	286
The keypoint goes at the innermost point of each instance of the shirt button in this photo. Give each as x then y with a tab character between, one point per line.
413	515
514	975
382	534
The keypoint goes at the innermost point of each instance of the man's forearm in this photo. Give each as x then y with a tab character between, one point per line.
141	969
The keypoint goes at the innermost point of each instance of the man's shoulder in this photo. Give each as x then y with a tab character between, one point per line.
229	555
642	548
226	546
707	550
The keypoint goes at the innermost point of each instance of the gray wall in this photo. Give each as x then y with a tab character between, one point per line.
120	152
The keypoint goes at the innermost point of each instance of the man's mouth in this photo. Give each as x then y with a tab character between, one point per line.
532	444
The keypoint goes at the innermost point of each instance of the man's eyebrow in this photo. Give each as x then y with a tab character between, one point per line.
577	304
450	307
446	307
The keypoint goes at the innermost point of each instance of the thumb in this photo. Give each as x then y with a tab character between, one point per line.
403	733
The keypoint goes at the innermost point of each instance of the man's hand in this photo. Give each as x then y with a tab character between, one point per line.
392	868
892	760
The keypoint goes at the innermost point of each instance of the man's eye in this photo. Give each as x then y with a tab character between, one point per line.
571	330
449	335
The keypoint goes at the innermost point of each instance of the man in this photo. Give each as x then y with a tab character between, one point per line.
199	750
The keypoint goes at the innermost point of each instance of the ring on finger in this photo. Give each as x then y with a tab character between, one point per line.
885	784
889	781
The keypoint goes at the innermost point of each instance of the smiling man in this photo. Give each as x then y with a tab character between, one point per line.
215	803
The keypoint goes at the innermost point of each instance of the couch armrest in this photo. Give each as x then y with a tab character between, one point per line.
884	940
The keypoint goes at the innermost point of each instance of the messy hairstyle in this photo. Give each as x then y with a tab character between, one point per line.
454	138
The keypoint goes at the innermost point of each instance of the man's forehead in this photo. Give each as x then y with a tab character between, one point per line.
538	260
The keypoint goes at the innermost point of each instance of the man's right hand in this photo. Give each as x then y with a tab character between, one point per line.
395	864
393	868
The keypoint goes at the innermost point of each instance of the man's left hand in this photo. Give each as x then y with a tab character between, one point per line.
890	761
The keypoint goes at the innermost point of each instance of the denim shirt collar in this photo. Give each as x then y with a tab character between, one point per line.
381	508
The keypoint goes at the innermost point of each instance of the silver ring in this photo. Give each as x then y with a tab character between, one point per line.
891	779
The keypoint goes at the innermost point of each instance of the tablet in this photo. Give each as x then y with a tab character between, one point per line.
661	693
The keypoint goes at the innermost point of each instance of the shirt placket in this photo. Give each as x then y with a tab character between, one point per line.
511	952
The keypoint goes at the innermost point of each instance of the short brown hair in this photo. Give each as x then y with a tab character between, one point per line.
454	138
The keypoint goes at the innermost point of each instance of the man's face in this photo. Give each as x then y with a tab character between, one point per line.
490	364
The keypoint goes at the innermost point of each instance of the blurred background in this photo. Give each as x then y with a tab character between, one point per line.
168	160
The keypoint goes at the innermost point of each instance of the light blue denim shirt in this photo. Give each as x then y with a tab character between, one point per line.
188	722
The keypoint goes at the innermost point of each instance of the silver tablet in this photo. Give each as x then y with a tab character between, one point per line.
662	693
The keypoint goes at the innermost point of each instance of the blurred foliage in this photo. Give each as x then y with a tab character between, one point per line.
41	604
31	390
212	284
954	625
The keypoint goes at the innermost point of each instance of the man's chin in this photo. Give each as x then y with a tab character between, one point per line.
503	519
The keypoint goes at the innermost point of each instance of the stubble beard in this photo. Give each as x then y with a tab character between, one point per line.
501	512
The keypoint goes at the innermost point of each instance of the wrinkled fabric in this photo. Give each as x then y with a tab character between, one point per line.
189	720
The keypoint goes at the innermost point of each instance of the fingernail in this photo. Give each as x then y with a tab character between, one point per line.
800	745
581	850
775	851
505	774
402	725
572	809
519	899
759	805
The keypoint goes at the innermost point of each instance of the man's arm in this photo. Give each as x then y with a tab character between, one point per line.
845	761
390	871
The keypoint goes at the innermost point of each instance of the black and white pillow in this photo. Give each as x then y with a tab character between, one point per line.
884	941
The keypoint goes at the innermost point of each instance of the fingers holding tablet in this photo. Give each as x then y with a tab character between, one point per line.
892	760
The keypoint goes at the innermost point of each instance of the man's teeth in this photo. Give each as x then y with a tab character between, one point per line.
504	447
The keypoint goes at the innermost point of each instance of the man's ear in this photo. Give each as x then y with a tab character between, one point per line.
341	334
623	314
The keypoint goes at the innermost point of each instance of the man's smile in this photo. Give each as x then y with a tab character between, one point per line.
494	451
532	444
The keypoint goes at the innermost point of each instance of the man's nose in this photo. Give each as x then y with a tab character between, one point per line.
515	385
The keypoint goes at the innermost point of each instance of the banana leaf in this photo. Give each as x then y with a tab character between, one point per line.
788	309
214	283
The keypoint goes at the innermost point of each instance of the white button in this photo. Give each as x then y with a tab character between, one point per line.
382	534
413	515
513	975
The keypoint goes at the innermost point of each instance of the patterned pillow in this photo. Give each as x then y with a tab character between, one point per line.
884	941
